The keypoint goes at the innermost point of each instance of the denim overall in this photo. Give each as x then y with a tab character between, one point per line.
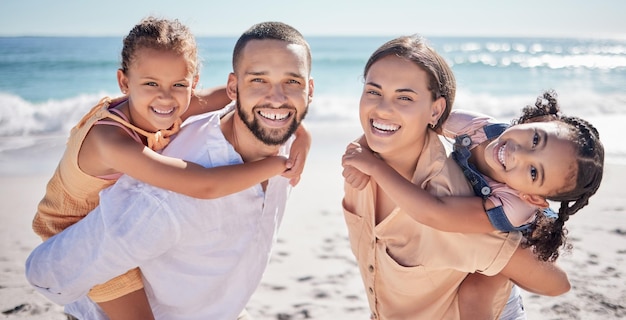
461	155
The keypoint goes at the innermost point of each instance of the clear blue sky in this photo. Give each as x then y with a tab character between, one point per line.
560	18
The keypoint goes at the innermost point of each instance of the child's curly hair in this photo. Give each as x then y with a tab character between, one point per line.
163	35
547	235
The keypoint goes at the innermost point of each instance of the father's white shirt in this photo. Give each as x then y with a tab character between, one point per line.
201	259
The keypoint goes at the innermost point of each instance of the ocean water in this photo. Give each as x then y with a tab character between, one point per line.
48	83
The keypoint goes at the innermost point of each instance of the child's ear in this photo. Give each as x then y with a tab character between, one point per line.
196	79
534	200
122	81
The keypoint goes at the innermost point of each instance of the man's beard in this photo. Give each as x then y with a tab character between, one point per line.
265	135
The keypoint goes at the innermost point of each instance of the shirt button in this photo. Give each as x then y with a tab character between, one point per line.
466	141
370	268
374	316
371	290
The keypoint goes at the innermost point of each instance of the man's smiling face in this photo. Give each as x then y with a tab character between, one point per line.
273	88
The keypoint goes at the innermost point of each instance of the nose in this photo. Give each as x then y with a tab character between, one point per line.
165	93
519	154
384	107
277	95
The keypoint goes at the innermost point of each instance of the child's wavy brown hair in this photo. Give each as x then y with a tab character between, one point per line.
163	35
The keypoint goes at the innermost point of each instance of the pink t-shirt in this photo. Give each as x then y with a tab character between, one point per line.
518	211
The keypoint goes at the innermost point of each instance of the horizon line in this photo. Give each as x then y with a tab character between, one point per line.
442	35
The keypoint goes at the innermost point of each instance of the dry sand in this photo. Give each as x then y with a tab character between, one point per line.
312	274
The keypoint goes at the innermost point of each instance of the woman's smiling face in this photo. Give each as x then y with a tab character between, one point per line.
396	106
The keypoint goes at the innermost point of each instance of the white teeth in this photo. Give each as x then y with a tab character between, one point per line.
163	111
501	157
274	116
385	127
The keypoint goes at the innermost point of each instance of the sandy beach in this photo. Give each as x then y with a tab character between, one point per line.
312	274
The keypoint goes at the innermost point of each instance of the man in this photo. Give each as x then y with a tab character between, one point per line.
200	259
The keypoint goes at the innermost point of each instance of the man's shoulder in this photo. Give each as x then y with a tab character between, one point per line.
201	119
195	136
213	116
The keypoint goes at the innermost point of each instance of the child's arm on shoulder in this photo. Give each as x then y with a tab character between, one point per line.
531	274
119	153
206	100
297	156
452	214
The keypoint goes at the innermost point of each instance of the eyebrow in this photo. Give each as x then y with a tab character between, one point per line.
153	78
406	90
374	85
264	73
255	73
544	143
295	75
397	90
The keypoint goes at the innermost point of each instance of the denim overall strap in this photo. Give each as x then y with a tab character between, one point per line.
461	155
494	130
499	220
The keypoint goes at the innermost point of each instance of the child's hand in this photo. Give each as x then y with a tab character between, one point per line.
295	166
363	159
355	164
297	156
355	178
